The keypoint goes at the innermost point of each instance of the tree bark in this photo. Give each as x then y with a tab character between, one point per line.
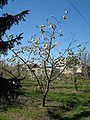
43	102
44	96
75	84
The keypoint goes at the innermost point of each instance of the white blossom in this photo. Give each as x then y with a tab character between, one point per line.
64	17
60	31
66	12
12	48
51	26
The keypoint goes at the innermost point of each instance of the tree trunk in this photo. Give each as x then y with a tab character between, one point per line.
43	102
44	97
45	94
75	84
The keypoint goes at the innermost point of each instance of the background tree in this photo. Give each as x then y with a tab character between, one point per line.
84	60
88	64
74	64
8	86
77	68
6	22
3	3
88	59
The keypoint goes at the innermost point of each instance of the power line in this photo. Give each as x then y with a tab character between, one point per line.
79	13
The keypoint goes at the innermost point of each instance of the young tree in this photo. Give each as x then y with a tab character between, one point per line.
78	65
88	64
88	59
84	56
73	66
83	53
41	52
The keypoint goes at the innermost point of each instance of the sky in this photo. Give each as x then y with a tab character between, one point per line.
40	10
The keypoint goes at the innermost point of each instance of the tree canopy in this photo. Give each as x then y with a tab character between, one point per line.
6	22
3	3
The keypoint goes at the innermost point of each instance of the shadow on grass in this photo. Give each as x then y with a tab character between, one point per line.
79	116
54	116
4	105
52	113
84	91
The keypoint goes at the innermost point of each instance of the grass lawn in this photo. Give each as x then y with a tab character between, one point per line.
62	102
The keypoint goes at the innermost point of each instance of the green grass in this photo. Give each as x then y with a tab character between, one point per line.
3	117
62	102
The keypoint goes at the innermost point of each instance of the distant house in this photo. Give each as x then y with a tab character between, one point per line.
39	70
68	69
61	65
